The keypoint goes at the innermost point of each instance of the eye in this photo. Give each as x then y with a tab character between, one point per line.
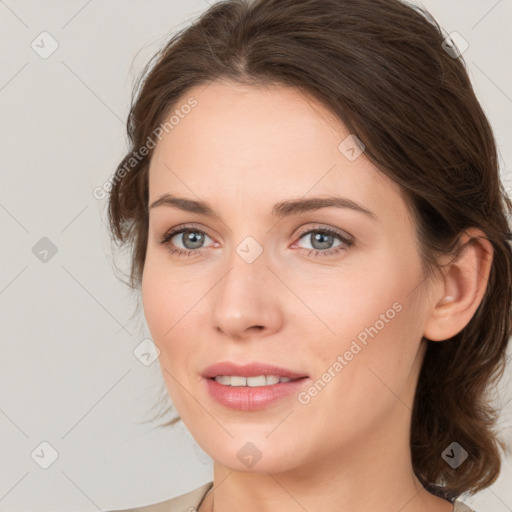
322	240
189	241
190	238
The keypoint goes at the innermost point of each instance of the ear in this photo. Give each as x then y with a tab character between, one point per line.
460	291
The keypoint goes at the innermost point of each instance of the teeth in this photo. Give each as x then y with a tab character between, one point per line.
261	380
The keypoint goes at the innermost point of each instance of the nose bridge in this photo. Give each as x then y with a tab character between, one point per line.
246	271
244	297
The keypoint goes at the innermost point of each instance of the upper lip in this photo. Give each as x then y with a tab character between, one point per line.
249	370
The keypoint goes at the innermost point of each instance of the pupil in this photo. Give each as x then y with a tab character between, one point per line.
318	237
194	237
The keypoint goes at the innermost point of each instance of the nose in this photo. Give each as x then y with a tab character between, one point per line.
246	301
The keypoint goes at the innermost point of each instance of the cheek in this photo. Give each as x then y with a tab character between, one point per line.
371	327
162	298
353	302
371	339
172	303
359	383
165	309
154	300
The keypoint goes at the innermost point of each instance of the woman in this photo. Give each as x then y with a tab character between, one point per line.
321	244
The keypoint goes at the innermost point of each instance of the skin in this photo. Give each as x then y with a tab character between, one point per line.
242	149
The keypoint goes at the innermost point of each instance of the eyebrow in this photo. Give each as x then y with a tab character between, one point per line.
280	210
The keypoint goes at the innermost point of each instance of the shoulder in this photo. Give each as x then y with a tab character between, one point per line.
183	503
458	506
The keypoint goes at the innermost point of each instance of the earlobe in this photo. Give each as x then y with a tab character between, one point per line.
464	284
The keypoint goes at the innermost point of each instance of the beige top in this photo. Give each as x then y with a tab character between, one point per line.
190	501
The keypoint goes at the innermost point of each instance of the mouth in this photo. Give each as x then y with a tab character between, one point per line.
254	392
253	374
255	381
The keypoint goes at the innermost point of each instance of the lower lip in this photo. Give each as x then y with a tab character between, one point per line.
247	398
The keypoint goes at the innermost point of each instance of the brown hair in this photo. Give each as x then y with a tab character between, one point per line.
381	67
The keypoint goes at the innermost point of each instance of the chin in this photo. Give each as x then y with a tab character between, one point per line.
249	454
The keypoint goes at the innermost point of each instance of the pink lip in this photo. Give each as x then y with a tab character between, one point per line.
246	398
249	370
249	398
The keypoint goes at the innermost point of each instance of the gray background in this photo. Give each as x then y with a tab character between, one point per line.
68	373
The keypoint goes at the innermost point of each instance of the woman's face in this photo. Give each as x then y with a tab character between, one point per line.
266	284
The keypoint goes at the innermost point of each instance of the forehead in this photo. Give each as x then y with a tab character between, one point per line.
249	145
254	124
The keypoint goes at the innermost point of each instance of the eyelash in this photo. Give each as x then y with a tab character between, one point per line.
165	240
